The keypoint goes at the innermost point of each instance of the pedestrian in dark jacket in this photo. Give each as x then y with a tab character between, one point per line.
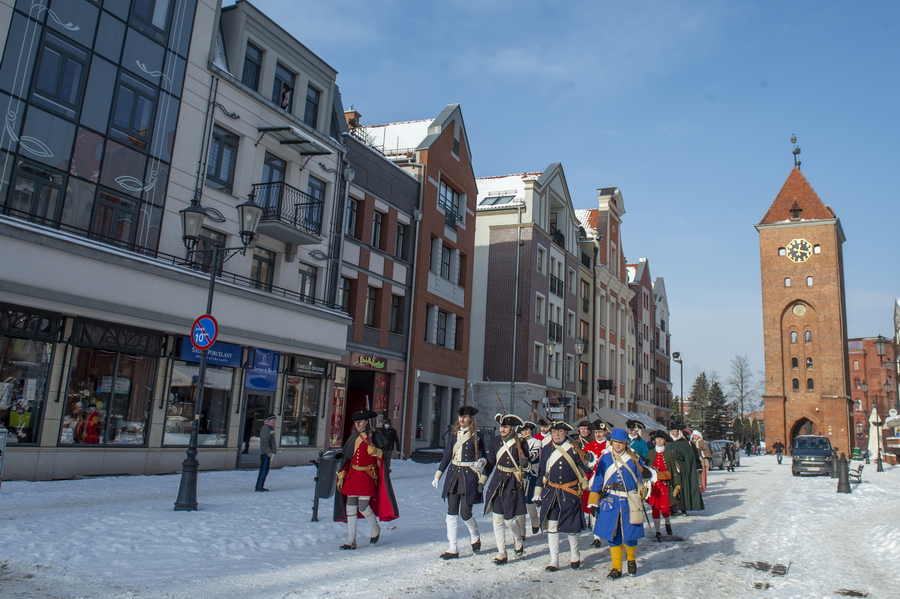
267	448
391	442
730	455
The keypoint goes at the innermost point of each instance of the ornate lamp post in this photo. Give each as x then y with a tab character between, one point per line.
676	356
192	218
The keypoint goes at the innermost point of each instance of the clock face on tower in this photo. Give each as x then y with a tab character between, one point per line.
798	250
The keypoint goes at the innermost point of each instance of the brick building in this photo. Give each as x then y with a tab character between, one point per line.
804	317
872	384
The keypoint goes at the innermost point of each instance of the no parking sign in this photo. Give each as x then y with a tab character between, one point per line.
204	332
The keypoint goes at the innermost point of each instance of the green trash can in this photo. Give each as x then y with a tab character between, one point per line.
856	454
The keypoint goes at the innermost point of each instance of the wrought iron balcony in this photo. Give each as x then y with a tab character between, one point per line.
289	215
605	384
585	304
554	332
556	285
557	236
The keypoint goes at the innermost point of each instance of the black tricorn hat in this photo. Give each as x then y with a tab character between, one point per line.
599	425
584	423
508	420
529	424
467	411
362	415
654	435
635	424
542	421
559	425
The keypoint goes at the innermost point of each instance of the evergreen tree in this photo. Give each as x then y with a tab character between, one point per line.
698	402
716	414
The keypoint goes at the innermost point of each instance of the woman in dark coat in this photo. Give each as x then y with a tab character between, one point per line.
464	473
505	496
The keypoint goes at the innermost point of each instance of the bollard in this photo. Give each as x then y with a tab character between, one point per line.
843	469
315	508
834	463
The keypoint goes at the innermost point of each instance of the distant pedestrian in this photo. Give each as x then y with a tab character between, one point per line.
267	448
391	442
730	456
748	447
779	450
705	454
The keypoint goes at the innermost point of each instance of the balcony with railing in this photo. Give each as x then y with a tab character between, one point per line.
606	384
289	215
585	304
557	237
554	332
451	216
584	387
556	285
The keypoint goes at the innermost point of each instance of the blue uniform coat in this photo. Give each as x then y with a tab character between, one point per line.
463	480
613	511
571	517
505	493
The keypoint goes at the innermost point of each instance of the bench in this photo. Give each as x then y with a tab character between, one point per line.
856	473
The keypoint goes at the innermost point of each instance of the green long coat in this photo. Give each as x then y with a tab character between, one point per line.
690	481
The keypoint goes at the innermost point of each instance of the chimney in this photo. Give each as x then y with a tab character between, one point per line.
352	117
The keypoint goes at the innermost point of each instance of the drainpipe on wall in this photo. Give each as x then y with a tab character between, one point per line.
512	374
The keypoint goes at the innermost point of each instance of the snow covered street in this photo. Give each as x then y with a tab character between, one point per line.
119	537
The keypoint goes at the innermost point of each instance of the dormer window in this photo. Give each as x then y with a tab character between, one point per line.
795	211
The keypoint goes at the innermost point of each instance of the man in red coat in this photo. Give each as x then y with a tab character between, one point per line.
364	487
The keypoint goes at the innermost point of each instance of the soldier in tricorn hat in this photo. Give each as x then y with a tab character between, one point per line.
505	497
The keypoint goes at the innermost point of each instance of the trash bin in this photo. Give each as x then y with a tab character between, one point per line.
856	454
326	475
3	435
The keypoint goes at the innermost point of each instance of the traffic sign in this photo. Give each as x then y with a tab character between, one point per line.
204	332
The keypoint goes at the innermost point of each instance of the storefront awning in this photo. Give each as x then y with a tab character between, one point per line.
618	418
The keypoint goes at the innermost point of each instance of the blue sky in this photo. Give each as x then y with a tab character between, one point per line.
687	106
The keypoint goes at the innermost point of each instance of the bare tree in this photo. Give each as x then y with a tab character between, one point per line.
744	390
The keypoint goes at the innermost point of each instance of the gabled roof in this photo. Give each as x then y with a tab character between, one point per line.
796	194
403	139
588	218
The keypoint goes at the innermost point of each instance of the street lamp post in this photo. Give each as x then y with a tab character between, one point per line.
192	217
550	348
677	357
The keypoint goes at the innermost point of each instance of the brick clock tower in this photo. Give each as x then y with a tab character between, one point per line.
804	318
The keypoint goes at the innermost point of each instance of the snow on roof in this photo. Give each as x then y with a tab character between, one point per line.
396	139
503	186
588	218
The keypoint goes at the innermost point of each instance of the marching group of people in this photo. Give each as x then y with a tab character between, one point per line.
599	479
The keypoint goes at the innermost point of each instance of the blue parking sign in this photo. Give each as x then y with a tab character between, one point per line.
204	332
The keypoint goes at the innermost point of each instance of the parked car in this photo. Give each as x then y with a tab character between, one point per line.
717	459
737	451
812	454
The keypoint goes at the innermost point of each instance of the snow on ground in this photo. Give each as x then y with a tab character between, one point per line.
119	537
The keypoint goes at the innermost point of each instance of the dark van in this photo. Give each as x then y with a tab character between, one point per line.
811	455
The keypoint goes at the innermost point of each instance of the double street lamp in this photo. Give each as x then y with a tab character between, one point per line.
550	348
192	219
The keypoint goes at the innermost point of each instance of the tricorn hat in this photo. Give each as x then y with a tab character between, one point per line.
508	420
467	411
598	425
529	424
362	415
654	435
541	420
635	424
584	423
559	425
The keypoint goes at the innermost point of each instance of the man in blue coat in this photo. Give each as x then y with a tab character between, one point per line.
619	471
562	475
464	472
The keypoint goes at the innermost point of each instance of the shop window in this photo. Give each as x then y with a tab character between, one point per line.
223	149
59	78
214	406
298	417
133	110
262	269
108	398
24	375
282	87
308	279
311	111
252	67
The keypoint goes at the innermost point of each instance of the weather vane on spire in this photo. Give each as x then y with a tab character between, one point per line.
796	150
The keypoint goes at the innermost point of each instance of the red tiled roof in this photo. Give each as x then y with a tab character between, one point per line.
796	193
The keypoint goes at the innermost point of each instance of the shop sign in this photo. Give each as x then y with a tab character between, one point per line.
313	367
556	410
105	384
220	354
263	376
367	361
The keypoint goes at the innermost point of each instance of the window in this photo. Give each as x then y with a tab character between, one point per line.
214	404
298	417
37	194
377	220
538	359
793	336
539	309
400	241
114	218
396	303
343	294
857	405
787	282
315	189
352	214
59	77
446	260
252	67
449	200
133	111
810	385
795	384
371	296
207	239
795	363
152	17
808	335
267	195
283	87
817	249
855	364
571	281
809	363
308	277
781	251
25	372
262	270
809	282
541	259
222	155
570	324
441	331
311	113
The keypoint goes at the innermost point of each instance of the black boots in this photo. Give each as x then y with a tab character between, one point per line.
632	568
614	573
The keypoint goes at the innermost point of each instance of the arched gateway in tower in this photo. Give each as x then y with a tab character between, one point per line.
804	318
